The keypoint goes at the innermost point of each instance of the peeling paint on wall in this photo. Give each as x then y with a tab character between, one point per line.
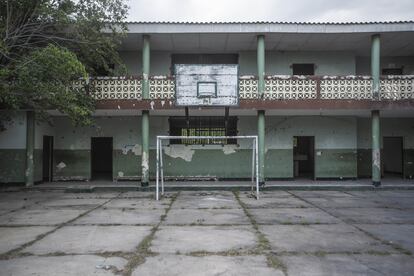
229	149
144	163
135	149
180	151
61	166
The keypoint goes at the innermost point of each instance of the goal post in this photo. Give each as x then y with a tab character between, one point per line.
160	166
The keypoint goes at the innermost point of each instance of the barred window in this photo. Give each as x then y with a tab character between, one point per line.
203	126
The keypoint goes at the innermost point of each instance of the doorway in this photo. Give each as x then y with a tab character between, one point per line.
304	157
101	158
47	159
393	157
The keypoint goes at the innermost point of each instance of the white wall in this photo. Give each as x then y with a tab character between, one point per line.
363	64
14	137
160	62
389	127
278	63
125	130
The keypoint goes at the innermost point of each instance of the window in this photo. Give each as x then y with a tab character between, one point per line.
392	71
307	69
203	126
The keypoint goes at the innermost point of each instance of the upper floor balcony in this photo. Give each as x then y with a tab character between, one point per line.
277	87
310	66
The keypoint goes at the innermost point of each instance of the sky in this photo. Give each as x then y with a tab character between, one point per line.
271	10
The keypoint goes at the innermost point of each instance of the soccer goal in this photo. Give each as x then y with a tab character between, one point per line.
160	164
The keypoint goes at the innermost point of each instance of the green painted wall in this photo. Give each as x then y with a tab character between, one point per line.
409	163
336	163
12	165
389	127
72	164
126	166
343	143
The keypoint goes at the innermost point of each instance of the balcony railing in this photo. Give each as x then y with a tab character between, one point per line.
276	88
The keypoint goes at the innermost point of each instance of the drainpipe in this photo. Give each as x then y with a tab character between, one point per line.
375	114
261	113
145	113
30	137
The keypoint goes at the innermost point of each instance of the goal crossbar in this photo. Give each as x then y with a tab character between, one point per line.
160	165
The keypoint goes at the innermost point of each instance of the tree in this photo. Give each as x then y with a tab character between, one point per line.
47	44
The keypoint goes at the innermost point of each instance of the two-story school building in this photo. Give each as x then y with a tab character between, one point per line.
326	100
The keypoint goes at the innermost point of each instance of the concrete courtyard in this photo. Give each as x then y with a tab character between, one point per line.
207	233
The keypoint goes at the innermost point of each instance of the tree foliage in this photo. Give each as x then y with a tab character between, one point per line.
47	44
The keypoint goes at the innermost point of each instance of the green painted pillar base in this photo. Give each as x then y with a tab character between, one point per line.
30	136
376	148
261	145
145	149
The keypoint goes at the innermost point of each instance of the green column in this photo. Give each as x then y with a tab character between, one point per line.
261	113
145	66
145	113
261	64
261	144
145	149
376	149
376	134
30	136
375	64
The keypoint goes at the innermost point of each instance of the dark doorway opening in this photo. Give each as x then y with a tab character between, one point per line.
393	157
47	157
304	157
101	158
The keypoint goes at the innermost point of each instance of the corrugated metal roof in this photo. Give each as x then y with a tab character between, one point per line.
269	22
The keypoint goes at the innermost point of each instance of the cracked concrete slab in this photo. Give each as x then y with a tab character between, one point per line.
265	194
269	202
121	216
206	200
340	265
292	216
89	195
399	234
329	265
325	238
40	216
180	265
374	215
388	265
137	194
74	203
77	265
90	239
313	194
138	203
14	237
206	216
187	239
347	202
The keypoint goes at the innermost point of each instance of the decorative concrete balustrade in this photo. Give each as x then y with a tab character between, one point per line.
277	87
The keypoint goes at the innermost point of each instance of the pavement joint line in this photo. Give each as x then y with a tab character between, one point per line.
394	246
15	253
27	206
264	244
140	255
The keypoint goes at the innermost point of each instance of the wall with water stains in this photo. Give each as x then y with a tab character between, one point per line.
342	148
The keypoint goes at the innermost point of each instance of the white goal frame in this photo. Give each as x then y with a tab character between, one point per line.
160	167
